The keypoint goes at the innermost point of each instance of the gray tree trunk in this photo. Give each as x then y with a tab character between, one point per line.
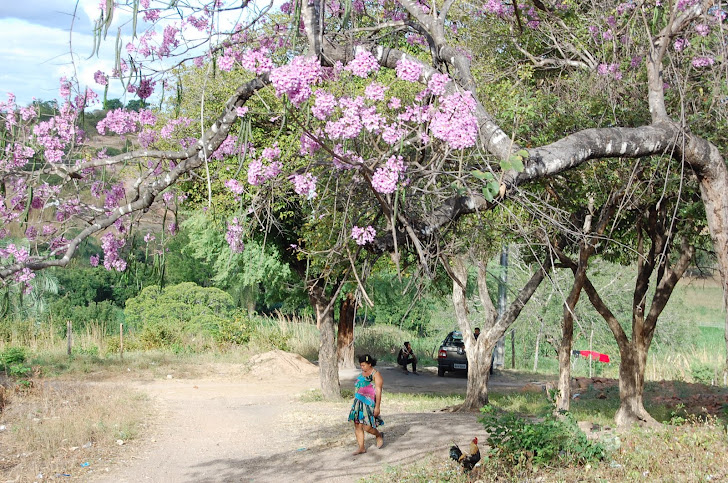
328	360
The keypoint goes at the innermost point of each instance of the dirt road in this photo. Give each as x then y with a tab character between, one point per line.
246	428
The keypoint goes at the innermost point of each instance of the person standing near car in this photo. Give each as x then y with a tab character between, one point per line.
407	356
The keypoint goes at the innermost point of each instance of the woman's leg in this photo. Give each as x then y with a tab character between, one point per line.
359	432
375	432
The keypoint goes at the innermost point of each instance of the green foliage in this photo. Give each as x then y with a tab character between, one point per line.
702	373
236	330
104	314
257	277
398	303
161	316
13	355
552	441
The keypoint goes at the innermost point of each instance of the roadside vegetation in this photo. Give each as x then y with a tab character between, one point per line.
47	394
151	325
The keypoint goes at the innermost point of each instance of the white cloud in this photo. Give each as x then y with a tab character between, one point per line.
36	56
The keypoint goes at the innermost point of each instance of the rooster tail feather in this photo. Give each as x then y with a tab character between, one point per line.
455	452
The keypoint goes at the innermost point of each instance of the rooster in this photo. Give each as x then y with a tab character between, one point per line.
469	459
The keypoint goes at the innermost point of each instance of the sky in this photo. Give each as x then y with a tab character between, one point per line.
37	36
35	41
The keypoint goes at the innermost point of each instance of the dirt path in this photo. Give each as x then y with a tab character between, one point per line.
242	428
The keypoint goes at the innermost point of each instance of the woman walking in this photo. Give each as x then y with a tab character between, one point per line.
367	401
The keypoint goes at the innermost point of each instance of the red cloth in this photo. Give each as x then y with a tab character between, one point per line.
595	356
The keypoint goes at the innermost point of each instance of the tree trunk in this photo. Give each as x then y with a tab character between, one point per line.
478	351
479	361
714	192
631	385
563	395
328	361
538	342
345	335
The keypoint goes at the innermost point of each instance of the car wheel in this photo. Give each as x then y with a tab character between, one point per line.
441	371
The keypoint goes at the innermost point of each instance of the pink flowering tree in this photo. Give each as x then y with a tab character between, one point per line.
396	121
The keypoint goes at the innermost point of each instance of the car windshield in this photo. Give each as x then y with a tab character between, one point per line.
457	336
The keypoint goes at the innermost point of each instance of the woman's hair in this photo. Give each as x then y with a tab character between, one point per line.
368	359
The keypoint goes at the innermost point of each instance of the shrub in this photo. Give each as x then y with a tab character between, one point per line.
13	355
702	373
236	330
550	442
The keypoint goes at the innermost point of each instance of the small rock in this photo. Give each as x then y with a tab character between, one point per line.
120	442
169	376
2	428
73	448
87	445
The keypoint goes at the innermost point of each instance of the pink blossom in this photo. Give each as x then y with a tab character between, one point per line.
93	260
149	238
166	131
345	159
699	62
296	78
118	121
395	103
362	236
257	61
702	29
437	83
454	121
147	117
169	41
241	111
234	236
100	78
111	246
65	89
145	89
235	186
151	16
385	178
305	185
324	105
226	62
497	7
392	134
363	64
146	138
271	153
229	147
308	144
680	44
375	91
408	70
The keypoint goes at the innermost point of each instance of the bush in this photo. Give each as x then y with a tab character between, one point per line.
235	331
185	305
550	442
702	373
13	355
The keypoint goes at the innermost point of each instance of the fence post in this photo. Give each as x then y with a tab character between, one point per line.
121	341
69	336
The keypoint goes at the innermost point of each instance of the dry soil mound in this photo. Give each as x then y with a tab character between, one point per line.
280	364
